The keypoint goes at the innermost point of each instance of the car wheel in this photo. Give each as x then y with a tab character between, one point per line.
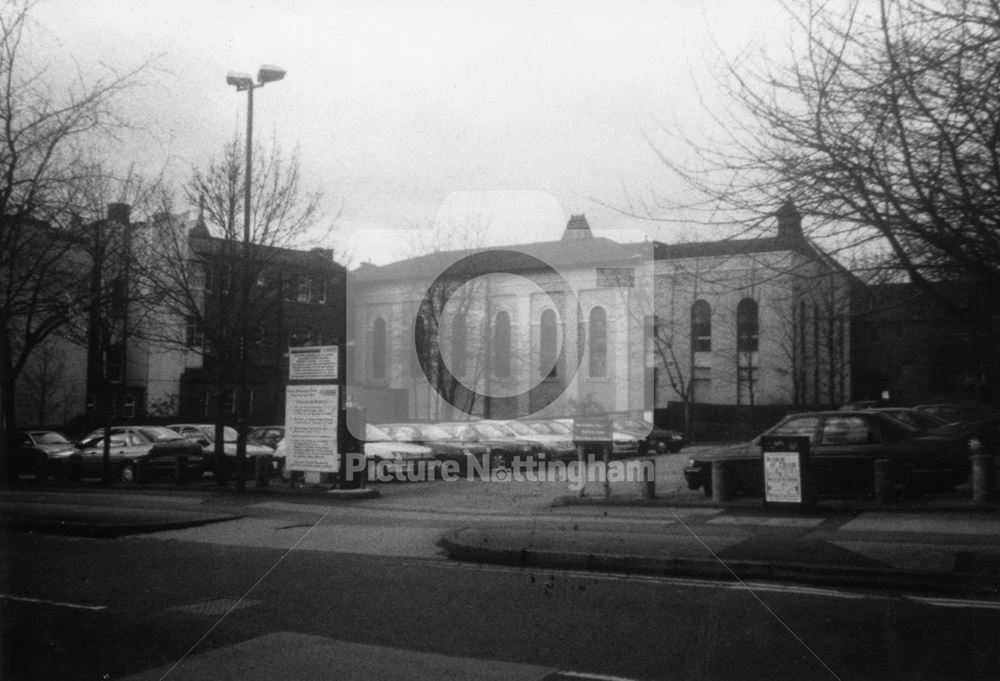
74	469
41	467
127	473
498	460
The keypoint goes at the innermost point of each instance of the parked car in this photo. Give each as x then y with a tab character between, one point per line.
204	435
444	446
843	448
267	435
159	447
503	447
41	453
622	443
918	419
395	457
651	438
555	446
958	412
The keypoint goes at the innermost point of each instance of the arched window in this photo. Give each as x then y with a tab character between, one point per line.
747	326
421	344
598	342
548	347
378	348
701	326
458	345
501	345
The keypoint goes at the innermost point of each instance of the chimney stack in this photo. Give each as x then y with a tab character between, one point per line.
789	221
119	212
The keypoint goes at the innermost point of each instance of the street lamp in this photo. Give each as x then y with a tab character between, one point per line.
267	73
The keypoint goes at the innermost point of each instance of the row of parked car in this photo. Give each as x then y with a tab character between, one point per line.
45	453
928	447
397	445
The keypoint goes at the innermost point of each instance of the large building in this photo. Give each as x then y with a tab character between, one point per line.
161	334
551	327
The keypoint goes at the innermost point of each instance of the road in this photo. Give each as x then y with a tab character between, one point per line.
371	573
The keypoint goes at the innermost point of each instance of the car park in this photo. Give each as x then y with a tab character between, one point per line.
396	458
204	435
651	438
503	447
444	446
40	453
843	448
161	450
555	446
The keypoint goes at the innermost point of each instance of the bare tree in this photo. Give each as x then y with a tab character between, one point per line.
196	276
45	132
883	123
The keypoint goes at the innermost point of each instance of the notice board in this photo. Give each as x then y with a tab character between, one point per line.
786	465
311	417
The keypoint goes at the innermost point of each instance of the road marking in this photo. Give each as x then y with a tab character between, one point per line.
955	603
58	604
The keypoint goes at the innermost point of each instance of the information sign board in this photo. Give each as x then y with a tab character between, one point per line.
785	469
313	363
591	430
311	416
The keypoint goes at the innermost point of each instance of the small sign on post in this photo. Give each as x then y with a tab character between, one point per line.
786	465
590	433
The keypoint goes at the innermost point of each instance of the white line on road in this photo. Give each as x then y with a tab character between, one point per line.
956	603
58	604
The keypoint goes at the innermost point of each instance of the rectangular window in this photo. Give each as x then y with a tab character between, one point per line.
701	384
194	335
317	291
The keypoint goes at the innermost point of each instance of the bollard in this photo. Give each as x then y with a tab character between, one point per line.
649	477
180	470
262	471
982	478
720	481
883	481
582	459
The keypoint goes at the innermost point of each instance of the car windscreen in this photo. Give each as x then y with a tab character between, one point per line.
491	430
159	434
50	439
520	428
376	434
435	433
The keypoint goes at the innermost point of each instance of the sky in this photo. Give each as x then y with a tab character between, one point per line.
513	115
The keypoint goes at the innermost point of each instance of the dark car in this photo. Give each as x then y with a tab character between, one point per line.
843	448
41	452
651	438
158	447
204	435
958	412
267	435
444	445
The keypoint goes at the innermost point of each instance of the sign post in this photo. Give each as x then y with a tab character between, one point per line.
313	411
590	433
786	467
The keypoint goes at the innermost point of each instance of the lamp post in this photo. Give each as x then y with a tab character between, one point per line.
243	81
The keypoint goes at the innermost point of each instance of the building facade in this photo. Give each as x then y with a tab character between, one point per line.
545	328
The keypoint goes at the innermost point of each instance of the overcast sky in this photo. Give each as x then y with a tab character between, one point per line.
399	105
